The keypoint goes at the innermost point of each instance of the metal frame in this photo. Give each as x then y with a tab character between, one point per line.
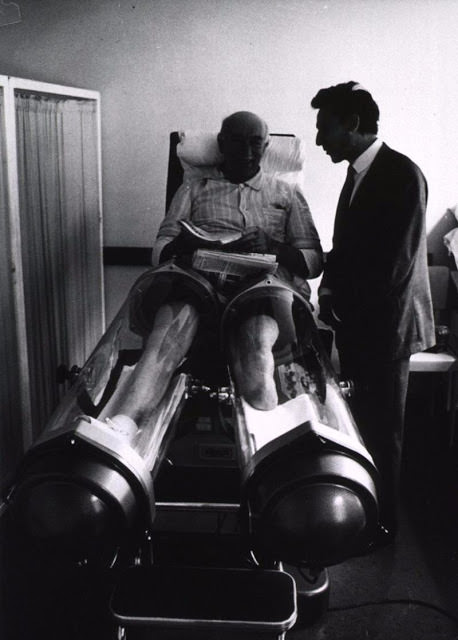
9	85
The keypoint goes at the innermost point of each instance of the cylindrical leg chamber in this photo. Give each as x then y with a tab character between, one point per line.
90	476
309	484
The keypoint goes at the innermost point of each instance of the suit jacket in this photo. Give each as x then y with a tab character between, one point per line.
377	268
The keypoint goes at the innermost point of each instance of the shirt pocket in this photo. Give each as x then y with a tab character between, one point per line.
274	221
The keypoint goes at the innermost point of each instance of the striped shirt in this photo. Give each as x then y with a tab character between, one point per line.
215	204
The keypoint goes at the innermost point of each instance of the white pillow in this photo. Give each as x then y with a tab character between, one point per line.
199	149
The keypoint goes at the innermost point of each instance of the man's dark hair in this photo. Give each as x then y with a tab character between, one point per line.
349	98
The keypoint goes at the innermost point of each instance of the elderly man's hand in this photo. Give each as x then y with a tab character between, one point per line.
188	243
183	245
253	240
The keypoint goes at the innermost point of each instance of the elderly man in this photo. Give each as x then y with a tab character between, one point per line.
272	215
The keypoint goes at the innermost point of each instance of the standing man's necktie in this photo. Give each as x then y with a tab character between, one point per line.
344	201
347	189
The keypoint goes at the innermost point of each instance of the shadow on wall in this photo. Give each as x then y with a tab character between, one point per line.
437	250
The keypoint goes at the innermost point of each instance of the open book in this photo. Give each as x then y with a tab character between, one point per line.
217	237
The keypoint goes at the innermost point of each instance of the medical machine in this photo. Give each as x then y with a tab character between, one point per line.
157	465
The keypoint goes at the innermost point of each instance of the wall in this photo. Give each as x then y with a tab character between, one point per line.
161	65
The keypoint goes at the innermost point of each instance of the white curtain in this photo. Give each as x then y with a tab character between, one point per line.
10	401
60	236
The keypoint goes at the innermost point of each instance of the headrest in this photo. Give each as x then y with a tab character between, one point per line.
284	154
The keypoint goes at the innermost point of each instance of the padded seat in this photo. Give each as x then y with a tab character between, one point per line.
426	362
440	362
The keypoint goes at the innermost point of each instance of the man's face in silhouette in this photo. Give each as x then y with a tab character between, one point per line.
333	134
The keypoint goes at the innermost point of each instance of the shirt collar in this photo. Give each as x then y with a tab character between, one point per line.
254	182
364	161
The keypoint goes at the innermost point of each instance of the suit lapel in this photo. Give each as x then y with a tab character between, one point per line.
348	223
371	180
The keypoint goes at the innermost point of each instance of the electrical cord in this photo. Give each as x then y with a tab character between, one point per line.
312	577
395	601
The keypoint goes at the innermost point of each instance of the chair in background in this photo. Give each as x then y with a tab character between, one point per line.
441	360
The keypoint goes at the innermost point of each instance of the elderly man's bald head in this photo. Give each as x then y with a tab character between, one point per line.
242	141
243	120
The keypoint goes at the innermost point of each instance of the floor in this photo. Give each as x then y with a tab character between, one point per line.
408	591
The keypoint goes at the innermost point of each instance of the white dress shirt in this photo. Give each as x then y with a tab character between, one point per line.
363	162
361	166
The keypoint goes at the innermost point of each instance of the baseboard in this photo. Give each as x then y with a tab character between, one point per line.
136	256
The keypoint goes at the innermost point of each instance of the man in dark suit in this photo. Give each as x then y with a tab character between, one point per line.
375	288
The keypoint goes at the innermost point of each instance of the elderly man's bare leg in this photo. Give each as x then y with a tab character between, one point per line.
253	361
174	328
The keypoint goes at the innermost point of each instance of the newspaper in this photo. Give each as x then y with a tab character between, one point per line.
234	265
